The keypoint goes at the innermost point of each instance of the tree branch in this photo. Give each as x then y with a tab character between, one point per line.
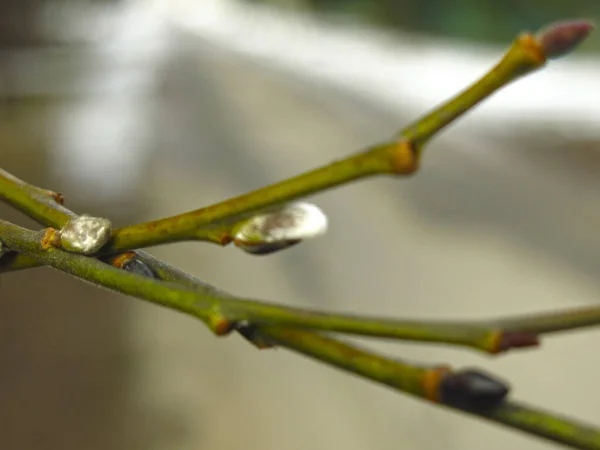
223	312
470	391
396	157
267	325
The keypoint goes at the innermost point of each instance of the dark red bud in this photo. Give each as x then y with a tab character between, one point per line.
562	37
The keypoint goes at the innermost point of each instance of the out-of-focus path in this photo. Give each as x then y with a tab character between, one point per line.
492	225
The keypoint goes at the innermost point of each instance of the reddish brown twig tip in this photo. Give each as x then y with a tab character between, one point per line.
561	38
516	339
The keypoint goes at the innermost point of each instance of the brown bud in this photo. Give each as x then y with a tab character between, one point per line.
561	38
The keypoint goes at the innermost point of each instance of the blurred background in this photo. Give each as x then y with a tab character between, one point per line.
137	110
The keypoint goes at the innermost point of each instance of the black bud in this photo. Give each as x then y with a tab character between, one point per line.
471	389
252	334
138	267
268	247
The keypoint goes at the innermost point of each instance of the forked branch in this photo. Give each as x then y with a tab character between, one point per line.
117	267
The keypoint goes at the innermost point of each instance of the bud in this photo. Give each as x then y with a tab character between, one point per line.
138	267
85	234
280	228
472	389
562	37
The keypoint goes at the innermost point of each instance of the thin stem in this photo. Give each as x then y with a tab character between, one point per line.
404	377
491	337
425	383
524	56
552	322
395	157
213	219
422	382
12	262
414	380
222	312
41	205
215	223
544	424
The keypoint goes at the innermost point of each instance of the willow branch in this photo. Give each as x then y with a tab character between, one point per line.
223	312
400	156
263	323
469	391
527	54
418	381
42	206
487	336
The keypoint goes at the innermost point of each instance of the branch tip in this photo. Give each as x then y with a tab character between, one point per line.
509	339
404	157
561	38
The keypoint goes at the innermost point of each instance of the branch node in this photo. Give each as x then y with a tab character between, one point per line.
431	382
534	54
50	238
220	325
405	158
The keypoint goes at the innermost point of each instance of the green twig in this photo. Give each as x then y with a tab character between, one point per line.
263	323
437	384
224	312
413	380
525	56
45	209
400	157
41	205
491	337
552	322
